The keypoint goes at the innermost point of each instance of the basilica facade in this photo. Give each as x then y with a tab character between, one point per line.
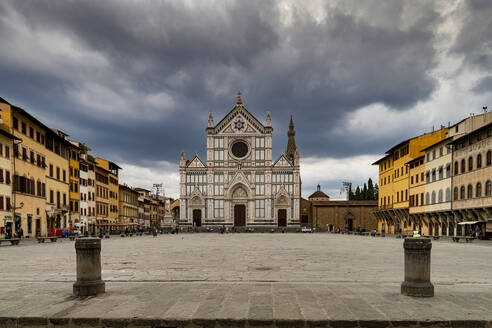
239	184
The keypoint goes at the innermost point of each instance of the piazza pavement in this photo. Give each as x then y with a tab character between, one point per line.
246	280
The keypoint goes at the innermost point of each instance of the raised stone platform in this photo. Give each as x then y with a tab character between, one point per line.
245	280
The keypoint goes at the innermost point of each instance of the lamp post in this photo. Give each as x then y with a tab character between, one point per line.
347	186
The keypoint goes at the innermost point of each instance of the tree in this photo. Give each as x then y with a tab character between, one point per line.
84	148
350	192
370	190
357	195
364	193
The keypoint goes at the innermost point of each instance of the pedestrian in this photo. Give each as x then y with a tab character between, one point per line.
477	232
21	234
101	233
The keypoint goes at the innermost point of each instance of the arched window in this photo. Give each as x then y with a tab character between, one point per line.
455	193
478	190
455	168
470	163
439	197
470	191
448	194
488	188
433	197
462	192
427	198
489	158
463	165
479	161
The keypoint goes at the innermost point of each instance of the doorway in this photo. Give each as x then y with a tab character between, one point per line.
197	218
349	225
304	220
282	218
239	215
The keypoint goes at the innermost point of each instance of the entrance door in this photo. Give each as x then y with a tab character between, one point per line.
350	224
304	220
239	215
282	218
37	226
197	218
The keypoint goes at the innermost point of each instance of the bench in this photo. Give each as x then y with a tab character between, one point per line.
53	239
13	241
468	239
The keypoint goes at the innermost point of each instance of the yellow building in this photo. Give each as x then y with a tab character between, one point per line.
57	180
74	182
112	187
393	213
28	168
102	197
6	216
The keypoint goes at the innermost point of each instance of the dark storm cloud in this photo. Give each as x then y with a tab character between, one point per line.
136	80
484	85
474	40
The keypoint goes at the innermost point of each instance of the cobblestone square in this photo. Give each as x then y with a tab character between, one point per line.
302	277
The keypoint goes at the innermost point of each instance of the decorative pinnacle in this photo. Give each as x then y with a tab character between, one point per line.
239	99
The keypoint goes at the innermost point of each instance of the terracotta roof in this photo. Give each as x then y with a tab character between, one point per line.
318	194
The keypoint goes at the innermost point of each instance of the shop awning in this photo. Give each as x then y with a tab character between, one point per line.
468	222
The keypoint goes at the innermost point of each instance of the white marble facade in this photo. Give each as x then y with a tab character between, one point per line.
239	184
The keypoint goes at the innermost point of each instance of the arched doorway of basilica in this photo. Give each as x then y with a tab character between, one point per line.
282	218
197	218
239	215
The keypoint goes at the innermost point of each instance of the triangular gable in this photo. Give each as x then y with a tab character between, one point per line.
239	178
239	119
239	110
196	162
282	161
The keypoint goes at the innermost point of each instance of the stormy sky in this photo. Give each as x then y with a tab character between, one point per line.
136	80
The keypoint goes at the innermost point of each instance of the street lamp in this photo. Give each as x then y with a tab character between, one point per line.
347	186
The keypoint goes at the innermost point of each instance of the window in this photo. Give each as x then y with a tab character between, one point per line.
31	132
219	143
7	151
463	164
470	191
260	154
470	163
427	177
462	192
479	161
411	179
218	208
428	157
434	154
260	189
455	193
52	199
488	188
478	190
427	198
448	194
455	168
433	197
1	203
441	151
260	142
57	173
440	196
219	155
440	172
24	128
64	176
38	136
51	170
260	208
433	175
448	170
7	177
15	123
489	158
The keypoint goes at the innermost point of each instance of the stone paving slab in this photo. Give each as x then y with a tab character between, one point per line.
201	304
245	280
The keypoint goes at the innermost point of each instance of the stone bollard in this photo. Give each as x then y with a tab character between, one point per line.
417	268
88	267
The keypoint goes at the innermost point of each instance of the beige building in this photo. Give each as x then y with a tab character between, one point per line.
6	145
128	205
472	190
112	186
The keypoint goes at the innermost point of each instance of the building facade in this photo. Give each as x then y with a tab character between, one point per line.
128	205
319	212
6	215
240	184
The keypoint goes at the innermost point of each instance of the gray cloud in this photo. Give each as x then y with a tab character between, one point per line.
136	80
